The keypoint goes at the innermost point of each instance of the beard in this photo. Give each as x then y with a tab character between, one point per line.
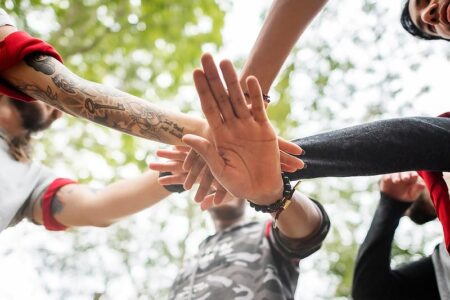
228	212
33	116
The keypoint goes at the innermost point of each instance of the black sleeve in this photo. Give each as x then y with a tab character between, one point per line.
373	277
296	249
387	146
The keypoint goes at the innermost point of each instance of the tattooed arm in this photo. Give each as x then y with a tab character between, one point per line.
78	205
45	78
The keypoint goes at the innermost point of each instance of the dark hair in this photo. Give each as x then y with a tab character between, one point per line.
410	27
19	147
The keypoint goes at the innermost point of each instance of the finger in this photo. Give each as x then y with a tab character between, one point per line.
182	148
216	86
208	103
190	159
254	91
396	178
409	177
207	203
413	176
204	147
194	173
171	154
288	169
289	147
205	186
418	187
169	166
234	90
219	196
172	179
387	178
291	161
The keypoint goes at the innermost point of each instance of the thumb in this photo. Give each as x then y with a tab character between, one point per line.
206	150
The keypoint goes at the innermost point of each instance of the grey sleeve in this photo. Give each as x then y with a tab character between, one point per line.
44	177
387	146
296	249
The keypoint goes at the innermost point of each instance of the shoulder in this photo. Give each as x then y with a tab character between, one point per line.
7	25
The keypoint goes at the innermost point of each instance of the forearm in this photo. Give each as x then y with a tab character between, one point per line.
373	276
285	22
300	218
127	197
77	205
45	79
387	146
290	240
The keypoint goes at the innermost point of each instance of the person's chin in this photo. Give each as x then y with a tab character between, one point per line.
226	212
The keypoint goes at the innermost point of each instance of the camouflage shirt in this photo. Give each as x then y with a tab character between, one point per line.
247	261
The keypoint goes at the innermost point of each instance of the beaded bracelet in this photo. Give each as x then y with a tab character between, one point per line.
281	204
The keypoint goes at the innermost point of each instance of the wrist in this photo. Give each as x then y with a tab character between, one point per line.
268	202
202	129
393	205
270	196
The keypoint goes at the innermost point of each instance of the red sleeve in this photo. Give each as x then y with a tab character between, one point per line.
50	222
13	49
439	195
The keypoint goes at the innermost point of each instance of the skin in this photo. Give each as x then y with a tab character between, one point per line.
431	16
299	220
408	187
283	25
78	204
229	213
44	78
405	186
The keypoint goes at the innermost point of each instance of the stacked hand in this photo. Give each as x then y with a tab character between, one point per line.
243	152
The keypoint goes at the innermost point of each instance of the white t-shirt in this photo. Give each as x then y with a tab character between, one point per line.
5	19
20	185
441	263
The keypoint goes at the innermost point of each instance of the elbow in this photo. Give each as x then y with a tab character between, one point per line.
101	223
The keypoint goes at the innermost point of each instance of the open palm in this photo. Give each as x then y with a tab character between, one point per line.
244	155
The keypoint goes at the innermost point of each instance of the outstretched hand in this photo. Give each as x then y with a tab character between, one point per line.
244	155
174	165
405	186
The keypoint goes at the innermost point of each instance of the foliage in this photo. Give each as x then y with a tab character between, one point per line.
354	65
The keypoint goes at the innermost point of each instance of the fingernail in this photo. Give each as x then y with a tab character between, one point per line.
305	166
303	152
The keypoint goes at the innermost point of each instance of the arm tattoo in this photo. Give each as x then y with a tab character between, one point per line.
97	103
64	84
41	63
57	205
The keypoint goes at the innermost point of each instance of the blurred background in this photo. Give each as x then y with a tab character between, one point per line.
354	64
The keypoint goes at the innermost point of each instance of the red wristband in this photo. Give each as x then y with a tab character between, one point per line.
49	220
